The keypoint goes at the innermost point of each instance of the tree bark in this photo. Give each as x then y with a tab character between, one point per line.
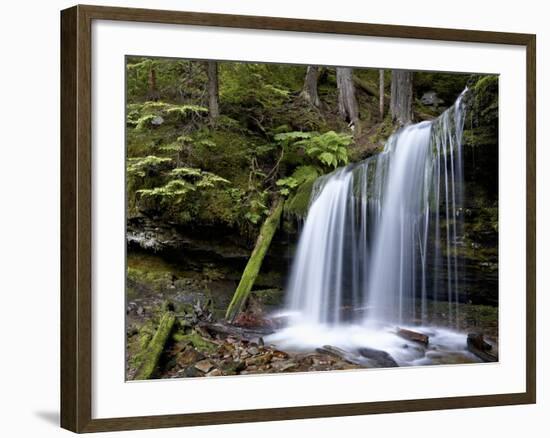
255	261
381	93
152	93
213	92
309	91
401	96
347	102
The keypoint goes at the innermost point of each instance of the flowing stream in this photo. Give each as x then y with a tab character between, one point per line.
380	243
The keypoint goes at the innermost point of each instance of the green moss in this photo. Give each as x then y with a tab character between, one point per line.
297	205
255	262
383	131
137	344
151	355
270	297
484	101
196	340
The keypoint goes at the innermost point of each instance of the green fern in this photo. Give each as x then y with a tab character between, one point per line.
142	166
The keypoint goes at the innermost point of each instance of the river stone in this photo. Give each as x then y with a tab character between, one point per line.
280	354
204	365
379	357
192	372
283	365
189	356
259	360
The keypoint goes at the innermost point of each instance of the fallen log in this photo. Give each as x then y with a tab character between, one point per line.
151	355
413	336
366	87
340	354
218	328
255	261
480	348
381	358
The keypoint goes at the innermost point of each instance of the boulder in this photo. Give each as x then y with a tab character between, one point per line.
381	358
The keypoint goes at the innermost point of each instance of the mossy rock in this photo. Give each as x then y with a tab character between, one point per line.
269	297
297	205
196	340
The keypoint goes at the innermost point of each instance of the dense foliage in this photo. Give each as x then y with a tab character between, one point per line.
187	169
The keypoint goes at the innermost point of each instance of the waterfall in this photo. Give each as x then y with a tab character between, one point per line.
381	238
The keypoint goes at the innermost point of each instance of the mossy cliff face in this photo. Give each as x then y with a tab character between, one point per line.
481	175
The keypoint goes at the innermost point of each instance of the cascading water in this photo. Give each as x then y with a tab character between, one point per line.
381	238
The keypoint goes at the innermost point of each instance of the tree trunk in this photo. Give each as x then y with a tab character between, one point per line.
347	103
401	96
381	93
309	92
255	261
152	93
151	355
213	93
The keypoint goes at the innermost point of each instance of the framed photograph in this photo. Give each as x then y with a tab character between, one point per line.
268	219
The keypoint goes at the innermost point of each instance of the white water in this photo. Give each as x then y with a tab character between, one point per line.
379	245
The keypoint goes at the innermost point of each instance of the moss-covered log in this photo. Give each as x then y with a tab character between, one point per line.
366	87
255	261
154	349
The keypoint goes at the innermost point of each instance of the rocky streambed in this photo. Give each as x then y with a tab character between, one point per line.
198	342
198	345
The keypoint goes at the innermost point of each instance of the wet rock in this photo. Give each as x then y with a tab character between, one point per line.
192	372
259	360
477	341
320	361
214	373
340	354
280	354
380	358
189	356
230	367
204	365
281	366
479	347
